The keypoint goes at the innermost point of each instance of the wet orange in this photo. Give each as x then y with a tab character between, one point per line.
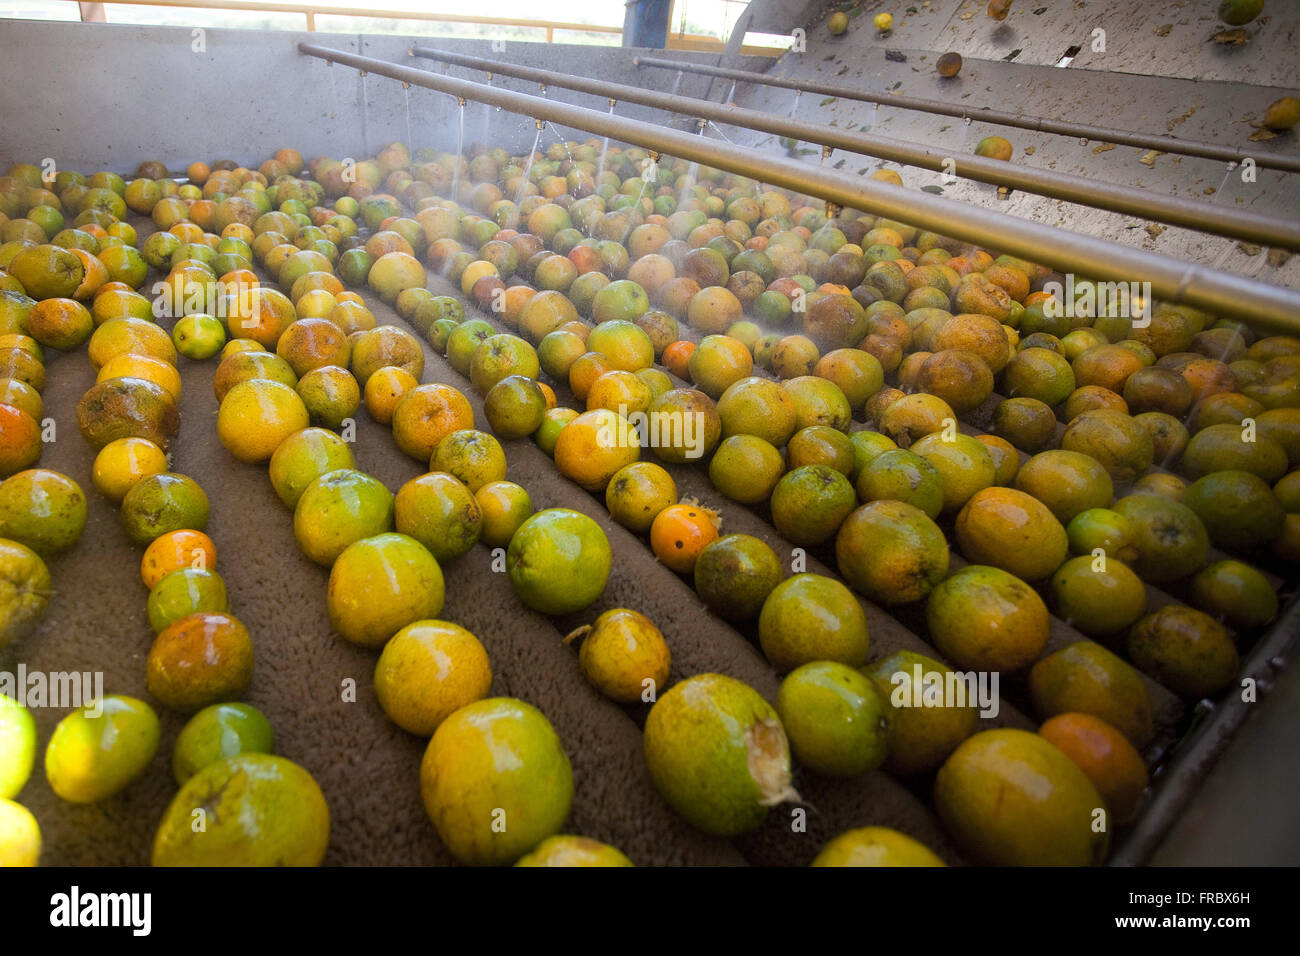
425	415
1104	754
677	358
594	446
255	416
680	532
384	389
200	659
60	323
20	440
174	551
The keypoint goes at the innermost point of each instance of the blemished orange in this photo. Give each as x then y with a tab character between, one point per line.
174	551
130	365
384	389
680	532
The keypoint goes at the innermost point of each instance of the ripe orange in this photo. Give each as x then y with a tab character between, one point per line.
677	358
680	532
129	365
427	414
256	415
20	440
384	389
1105	755
595	446
174	551
123	462
60	323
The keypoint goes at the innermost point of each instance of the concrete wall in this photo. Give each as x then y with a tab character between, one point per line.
122	94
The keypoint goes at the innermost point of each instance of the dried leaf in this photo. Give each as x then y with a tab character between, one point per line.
1262	135
1103	147
1149	159
1030	150
1278	257
1249	248
1154	229
1163	29
1230	37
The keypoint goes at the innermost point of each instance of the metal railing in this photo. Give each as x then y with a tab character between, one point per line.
1173	280
1040	124
1173	210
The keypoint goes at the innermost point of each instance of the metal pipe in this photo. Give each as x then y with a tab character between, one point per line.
1172	280
1041	124
1173	210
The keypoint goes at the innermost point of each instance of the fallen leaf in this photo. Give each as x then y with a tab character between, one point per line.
1249	248
1278	257
1030	150
1154	229
1262	135
1150	159
1230	37
1163	29
1103	147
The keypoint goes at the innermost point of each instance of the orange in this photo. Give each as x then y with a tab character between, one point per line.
623	655
236	230
130	365
20	440
584	371
504	506
427	414
139	336
637	493
95	278
200	659
261	314
1013	531
198	173
118	303
255	416
594	446
623	344
1105	756
60	323
983	618
16	392
123	462
174	551
384	389
680	532
428	671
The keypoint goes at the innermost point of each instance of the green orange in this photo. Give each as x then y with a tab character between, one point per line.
428	671
495	781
